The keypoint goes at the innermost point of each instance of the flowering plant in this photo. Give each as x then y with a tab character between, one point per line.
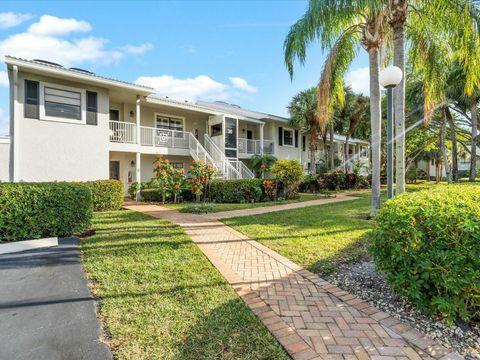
200	174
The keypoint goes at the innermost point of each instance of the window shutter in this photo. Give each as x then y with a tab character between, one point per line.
296	138
280	136
92	108
304	143
32	99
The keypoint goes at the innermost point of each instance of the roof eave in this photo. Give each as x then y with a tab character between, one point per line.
101	81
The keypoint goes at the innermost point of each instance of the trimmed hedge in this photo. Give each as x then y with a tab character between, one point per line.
428	244
38	210
106	194
151	195
236	191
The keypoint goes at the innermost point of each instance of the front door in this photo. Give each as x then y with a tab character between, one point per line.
114	170
250	144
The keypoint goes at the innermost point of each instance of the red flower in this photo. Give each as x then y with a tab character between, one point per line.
263	166
177	186
167	161
182	170
191	167
164	172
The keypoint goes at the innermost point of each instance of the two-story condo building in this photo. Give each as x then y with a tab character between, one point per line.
69	124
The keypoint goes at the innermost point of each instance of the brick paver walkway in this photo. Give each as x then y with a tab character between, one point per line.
311	318
268	209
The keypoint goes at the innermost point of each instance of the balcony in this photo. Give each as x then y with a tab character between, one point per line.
248	147
126	133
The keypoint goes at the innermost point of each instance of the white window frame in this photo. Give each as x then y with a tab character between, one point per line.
293	137
83	103
169	116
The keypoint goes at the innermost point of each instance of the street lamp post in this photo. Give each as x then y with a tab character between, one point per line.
390	77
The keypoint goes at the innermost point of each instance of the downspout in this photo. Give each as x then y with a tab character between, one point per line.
16	128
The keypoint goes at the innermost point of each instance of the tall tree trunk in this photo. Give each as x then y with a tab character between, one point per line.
347	153
399	13
325	154
453	139
331	155
473	150
375	122
313	147
443	147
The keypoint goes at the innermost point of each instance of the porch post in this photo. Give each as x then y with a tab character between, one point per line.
138	164
261	138
15	125
137	119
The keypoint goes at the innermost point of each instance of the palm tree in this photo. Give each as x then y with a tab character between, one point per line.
342	28
303	115
262	164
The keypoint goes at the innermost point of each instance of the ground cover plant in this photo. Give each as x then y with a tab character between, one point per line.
162	299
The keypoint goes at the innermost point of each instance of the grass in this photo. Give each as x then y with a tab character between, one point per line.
217	207
162	299
319	237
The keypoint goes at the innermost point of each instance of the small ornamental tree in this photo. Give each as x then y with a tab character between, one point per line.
200	174
178	182
290	174
163	176
262	164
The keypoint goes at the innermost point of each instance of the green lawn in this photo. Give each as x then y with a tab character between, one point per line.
319	237
217	207
161	297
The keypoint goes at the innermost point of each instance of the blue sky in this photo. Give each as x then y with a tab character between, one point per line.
230	50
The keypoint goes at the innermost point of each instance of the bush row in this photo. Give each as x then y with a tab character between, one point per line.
224	191
337	180
37	210
428	244
106	194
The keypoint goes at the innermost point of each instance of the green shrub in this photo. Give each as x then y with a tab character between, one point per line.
199	208
236	191
290	173
151	195
38	210
133	189
106	194
428	243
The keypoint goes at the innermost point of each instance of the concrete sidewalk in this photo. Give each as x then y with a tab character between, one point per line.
46	310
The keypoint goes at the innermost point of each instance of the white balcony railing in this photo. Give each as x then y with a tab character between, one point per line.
250	146
150	136
123	132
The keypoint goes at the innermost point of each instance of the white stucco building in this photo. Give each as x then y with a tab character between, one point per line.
68	124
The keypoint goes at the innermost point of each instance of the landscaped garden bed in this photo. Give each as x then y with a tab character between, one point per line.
160	298
332	240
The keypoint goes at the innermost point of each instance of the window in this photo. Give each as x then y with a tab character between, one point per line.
32	95
177	165
287	137
114	115
169	123
304	143
63	103
92	108
216	130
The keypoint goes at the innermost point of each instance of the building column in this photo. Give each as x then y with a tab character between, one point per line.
261	138
138	175
15	125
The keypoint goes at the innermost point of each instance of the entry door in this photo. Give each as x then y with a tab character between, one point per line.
250	144
114	170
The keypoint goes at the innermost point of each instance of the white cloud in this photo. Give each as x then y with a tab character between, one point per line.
137	50
3	78
67	53
4	122
242	84
11	19
359	80
52	25
48	39
200	87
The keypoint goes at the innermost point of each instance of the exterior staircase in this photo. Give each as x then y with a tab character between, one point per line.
226	168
